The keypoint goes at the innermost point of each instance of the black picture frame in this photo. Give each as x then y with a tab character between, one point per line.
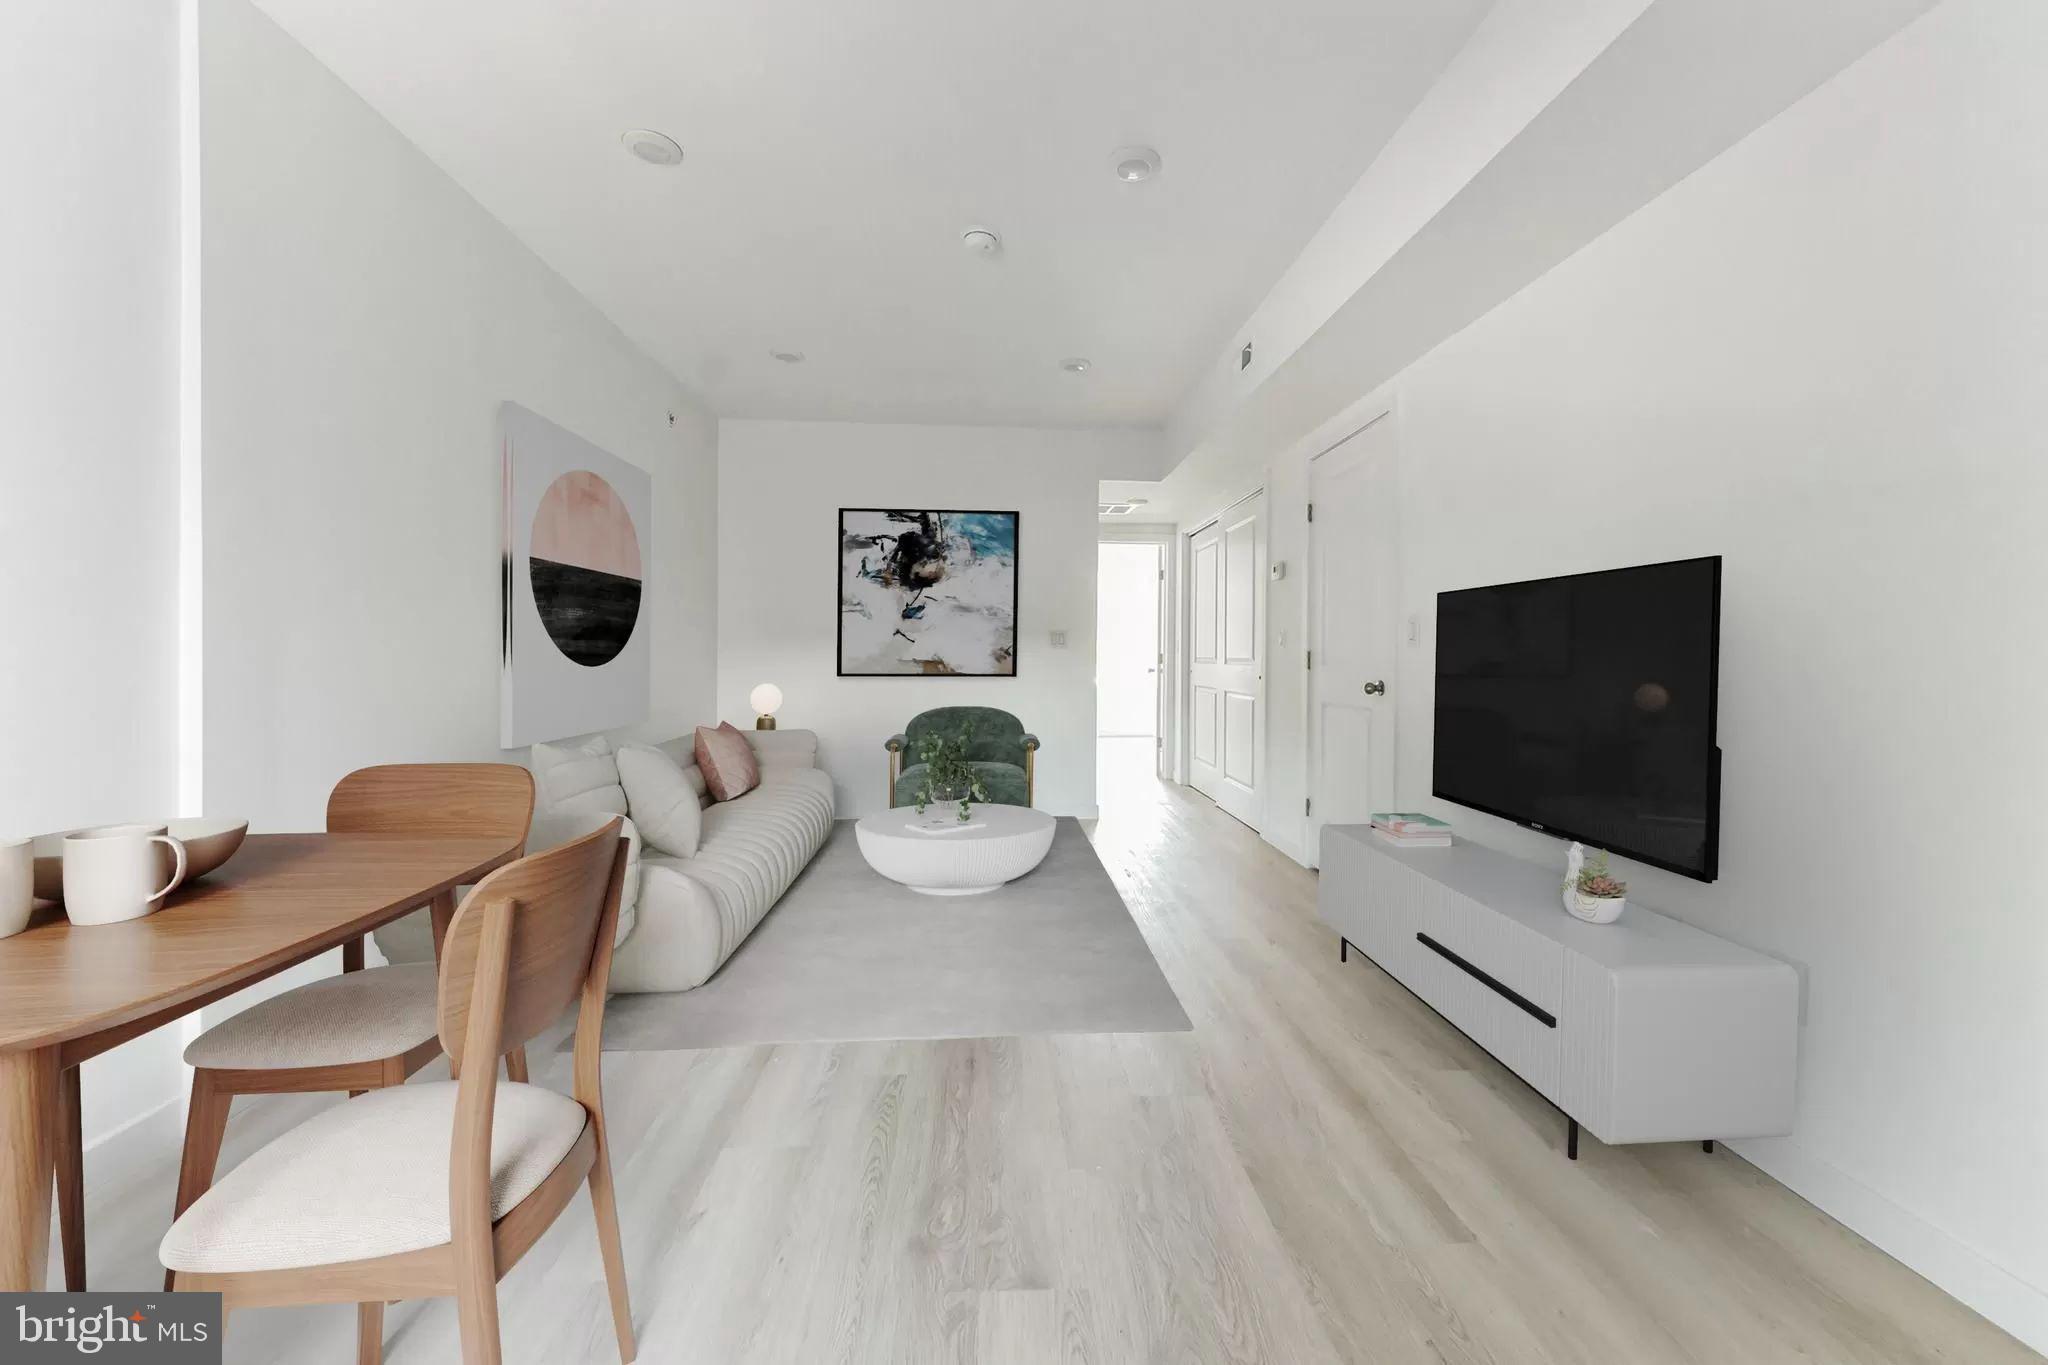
1016	587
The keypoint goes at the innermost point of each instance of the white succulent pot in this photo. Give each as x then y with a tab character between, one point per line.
1595	909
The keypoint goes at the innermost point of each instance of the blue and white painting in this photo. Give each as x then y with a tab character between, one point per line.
927	593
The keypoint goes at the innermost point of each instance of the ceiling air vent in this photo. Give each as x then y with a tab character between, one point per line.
1114	509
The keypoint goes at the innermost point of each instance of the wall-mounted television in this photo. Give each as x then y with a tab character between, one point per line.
1583	706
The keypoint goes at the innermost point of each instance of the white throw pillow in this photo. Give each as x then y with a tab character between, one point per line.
580	777
662	800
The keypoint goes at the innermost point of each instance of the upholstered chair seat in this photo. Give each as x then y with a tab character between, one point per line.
367	1178
354	1017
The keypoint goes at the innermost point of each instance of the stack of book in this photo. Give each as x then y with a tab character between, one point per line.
1411	829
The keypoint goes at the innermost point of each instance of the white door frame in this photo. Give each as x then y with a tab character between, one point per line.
1146	533
1184	662
1311	739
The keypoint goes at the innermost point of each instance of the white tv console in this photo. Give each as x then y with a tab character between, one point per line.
1644	1030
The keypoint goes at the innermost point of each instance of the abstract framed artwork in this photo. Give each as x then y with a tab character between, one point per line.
927	593
575	633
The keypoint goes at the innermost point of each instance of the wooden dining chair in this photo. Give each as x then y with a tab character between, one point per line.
437	1189
358	1031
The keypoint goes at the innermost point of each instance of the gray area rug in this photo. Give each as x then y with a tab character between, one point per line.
848	956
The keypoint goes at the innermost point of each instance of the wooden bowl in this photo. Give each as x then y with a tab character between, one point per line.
208	843
49	856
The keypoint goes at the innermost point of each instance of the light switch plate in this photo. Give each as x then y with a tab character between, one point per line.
1059	639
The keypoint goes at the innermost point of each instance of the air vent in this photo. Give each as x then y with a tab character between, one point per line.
1113	509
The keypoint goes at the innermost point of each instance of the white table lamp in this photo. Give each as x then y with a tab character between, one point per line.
765	700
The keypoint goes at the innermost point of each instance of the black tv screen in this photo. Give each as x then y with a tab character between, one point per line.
1584	707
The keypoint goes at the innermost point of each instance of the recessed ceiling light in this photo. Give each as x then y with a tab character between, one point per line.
788	357
1134	164
1075	364
982	241
656	149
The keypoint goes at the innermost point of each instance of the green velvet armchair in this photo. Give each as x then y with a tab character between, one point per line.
1002	753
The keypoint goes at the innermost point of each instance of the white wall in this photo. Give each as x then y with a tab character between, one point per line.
88	470
1521	54
363	318
780	488
1683	82
1820	357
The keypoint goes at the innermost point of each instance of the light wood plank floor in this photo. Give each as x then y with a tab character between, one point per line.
1322	1171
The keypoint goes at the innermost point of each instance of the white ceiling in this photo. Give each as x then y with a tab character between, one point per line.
835	151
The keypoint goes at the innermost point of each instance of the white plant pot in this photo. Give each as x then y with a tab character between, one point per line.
1594	909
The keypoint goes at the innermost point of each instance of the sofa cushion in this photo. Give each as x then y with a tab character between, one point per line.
664	802
683	749
580	777
727	761
695	911
777	751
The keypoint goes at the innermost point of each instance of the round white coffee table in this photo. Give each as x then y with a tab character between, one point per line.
1005	843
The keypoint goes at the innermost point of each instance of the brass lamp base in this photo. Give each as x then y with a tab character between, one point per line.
764	722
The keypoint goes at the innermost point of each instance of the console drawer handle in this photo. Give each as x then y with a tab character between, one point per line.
1515	998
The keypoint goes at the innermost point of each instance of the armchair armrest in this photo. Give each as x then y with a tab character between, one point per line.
1030	743
894	744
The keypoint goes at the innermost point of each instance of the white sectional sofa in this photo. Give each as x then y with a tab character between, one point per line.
681	917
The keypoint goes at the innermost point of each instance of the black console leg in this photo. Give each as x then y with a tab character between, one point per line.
1343	949
1708	1146
1571	1140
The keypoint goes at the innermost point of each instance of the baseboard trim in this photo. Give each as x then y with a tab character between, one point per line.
1958	1269
1290	846
141	1128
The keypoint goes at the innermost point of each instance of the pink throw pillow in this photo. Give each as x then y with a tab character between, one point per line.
727	762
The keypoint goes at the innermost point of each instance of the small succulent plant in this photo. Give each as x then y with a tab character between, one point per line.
1596	881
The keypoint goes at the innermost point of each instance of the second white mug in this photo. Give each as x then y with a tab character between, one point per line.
114	872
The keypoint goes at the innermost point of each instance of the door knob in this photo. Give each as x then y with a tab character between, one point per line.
1376	688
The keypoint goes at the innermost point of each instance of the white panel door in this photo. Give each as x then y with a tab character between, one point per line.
1354	599
1226	671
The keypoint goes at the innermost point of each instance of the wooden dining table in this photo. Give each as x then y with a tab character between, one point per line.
70	992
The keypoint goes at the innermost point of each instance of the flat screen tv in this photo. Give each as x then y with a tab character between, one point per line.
1584	707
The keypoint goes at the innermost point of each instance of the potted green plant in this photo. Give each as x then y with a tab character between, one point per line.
1592	892
949	775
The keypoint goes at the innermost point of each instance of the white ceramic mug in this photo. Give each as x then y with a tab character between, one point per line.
112	873
17	884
